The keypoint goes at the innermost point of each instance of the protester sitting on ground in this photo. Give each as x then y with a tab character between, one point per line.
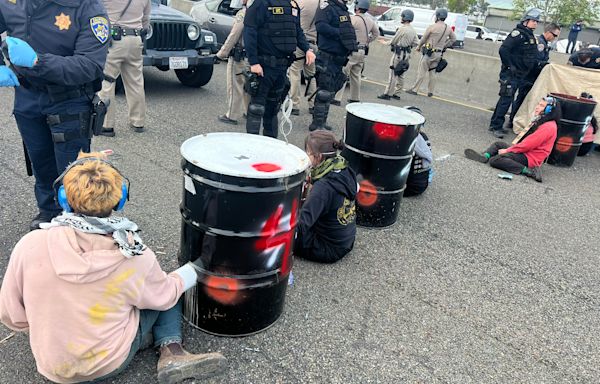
327	224
88	291
589	137
527	156
420	168
586	58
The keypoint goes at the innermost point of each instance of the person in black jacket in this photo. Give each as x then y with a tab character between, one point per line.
327	224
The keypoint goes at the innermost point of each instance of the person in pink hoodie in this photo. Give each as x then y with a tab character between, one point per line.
88	291
529	154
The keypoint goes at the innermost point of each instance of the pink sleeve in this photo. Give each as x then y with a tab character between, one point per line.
12	307
532	141
159	291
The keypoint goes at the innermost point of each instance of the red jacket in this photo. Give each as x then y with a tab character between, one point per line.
537	146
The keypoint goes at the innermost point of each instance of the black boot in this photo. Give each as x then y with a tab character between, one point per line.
254	119
475	156
321	110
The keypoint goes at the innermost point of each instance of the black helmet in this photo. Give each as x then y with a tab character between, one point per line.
407	15
532	14
441	13
363	4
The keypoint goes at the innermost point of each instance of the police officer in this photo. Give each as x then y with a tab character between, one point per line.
435	40
57	49
366	30
518	54
237	99
271	34
401	45
129	21
551	32
336	40
308	9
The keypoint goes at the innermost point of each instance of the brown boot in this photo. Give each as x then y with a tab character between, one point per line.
175	364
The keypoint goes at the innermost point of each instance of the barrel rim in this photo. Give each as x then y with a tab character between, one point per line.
215	167
355	109
579	99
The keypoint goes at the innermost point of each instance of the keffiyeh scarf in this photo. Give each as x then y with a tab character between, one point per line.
123	231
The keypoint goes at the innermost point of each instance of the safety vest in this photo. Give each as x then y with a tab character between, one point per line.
342	21
281	23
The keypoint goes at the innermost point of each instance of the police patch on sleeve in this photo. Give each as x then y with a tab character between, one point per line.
515	33
99	26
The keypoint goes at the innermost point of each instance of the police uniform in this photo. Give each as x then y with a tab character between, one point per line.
237	99
518	54
366	30
336	39
52	105
271	34
308	9
401	44
543	55
438	37
129	21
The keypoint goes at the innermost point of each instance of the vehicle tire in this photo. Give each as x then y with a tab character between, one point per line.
195	76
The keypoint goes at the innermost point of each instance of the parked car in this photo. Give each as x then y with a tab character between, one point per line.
176	42
475	30
217	16
391	20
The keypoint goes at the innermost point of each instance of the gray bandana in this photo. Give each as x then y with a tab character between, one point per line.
124	231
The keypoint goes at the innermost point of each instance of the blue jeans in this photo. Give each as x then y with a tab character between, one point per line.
164	325
48	159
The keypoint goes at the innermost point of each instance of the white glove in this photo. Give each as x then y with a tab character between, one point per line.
188	275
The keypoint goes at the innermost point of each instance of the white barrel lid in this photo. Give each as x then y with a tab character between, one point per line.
244	155
383	113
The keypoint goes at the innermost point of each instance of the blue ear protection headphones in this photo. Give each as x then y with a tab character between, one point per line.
61	194
551	104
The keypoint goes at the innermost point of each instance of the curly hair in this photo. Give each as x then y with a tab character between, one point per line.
93	188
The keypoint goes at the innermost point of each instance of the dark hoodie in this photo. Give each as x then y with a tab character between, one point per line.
327	224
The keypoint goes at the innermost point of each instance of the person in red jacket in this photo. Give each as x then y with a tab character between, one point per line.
527	156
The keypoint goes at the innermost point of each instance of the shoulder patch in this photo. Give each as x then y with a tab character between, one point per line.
515	33
99	26
541	47
323	4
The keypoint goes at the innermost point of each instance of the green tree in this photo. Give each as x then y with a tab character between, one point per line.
460	6
564	12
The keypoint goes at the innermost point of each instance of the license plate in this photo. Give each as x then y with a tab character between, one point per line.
178	62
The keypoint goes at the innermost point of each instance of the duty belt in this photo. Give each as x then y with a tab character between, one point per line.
130	31
339	60
362	46
274	61
61	137
58	93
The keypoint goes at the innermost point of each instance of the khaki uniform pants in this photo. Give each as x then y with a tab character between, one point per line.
294	76
353	70
424	65
125	59
394	82
237	98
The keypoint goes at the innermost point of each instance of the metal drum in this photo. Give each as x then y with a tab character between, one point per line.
380	142
239	212
577	113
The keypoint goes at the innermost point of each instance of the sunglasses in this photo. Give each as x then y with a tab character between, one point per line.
553	34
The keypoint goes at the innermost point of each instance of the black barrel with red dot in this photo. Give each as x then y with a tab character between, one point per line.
380	142
239	212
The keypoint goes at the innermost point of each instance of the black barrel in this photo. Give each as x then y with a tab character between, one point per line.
380	142
577	113
239	212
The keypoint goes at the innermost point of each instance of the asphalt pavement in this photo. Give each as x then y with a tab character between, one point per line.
481	280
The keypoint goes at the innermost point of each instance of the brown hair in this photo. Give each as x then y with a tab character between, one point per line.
324	143
93	188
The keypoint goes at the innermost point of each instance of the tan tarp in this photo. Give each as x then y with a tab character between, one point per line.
559	79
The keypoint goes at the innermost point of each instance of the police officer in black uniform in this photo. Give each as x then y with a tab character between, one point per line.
336	40
551	32
271	34
519	55
56	50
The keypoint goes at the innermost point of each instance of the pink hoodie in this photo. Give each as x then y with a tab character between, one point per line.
79	298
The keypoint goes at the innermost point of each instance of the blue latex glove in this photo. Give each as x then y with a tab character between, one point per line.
7	77
20	52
